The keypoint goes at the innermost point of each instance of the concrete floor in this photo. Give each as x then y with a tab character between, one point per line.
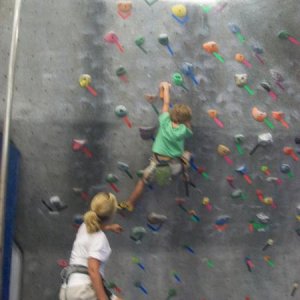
59	40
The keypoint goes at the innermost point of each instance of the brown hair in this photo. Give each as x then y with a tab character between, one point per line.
181	113
103	206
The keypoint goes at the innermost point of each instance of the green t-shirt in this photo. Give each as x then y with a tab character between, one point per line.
169	141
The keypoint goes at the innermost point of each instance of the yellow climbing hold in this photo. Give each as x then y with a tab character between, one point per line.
85	80
179	10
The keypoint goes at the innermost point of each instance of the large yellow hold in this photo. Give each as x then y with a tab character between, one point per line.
179	10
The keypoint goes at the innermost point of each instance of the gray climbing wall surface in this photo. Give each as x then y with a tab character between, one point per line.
212	258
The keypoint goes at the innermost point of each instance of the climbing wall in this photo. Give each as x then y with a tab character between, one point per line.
235	235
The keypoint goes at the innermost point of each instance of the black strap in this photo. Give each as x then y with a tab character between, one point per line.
161	163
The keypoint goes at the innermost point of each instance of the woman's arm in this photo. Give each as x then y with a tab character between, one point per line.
116	228
93	268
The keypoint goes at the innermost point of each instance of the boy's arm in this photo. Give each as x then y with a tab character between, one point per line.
165	91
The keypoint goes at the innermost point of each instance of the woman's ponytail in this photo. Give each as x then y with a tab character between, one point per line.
92	222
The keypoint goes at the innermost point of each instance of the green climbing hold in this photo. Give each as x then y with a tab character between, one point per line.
283	34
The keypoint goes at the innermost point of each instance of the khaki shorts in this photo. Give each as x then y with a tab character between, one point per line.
80	292
175	165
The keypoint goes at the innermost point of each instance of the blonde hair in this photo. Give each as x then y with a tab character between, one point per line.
181	113
103	206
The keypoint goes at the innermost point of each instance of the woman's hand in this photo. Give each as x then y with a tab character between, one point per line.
116	228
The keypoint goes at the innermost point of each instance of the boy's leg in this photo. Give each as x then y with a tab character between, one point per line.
130	203
136	194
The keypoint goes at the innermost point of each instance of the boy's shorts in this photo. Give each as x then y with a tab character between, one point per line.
175	165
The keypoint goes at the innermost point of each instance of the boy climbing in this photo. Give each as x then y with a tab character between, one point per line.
169	157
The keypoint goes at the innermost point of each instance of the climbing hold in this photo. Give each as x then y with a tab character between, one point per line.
137	233
284	35
54	205
179	10
156	219
213	114
122	74
177	79
239	140
137	261
279	116
230	180
269	201
268	260
235	29
265	170
286	169
263	139
241	80
80	145
295	287
261	116
263	218
125	168
290	152
267	86
206	203
112	38
213	48
121	112
260	195
243	171
112	285
222	220
278	78
85	81
241	59
139	285
124	8
209	262
77	220
140	41
188	70
257	49
269	243
249	263
237	193
176	276
274	179
224	151
179	13
191	213
189	249
63	263
111	179
163	39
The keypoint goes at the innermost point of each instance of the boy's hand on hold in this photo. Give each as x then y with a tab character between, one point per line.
165	85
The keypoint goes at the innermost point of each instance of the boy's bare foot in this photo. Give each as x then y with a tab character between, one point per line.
125	206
